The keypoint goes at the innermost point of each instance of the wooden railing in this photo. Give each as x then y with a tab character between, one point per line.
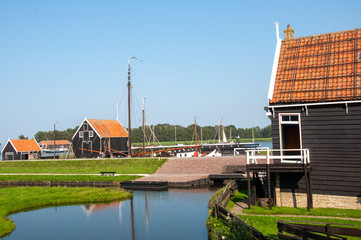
285	155
228	216
220	211
315	230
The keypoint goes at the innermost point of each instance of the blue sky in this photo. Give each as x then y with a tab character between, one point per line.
62	61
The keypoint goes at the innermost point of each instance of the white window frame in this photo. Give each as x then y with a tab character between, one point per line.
81	134
91	133
282	122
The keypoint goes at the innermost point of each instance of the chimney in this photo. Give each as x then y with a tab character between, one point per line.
289	33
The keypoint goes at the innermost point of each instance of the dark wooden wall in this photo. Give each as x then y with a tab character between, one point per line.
9	148
333	137
118	144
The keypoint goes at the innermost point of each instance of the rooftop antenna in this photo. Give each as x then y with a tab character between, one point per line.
129	124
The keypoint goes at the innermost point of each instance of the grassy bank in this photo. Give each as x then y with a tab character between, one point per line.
67	178
121	166
325	212
265	220
14	200
268	225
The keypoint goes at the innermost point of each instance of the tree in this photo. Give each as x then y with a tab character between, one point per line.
59	135
22	137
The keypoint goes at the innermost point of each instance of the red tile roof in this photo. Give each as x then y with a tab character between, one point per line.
108	128
25	145
319	68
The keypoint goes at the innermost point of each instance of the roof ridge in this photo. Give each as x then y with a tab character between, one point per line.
321	34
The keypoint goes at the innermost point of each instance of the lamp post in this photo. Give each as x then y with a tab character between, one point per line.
54	138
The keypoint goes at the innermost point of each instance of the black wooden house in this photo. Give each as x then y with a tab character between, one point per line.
21	149
100	138
315	103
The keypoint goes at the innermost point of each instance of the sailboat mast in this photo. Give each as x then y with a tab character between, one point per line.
195	129
143	125
129	124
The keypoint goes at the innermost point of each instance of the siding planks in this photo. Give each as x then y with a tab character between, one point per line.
333	137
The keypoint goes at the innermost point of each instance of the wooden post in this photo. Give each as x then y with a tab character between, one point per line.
269	182
307	186
249	186
254	187
269	187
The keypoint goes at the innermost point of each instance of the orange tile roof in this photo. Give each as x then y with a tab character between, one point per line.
57	142
108	128
25	145
319	68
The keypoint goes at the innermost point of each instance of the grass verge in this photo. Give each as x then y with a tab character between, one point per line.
326	212
268	225
18	199
88	178
121	166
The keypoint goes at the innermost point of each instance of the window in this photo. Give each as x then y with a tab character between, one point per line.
85	126
81	134
290	135
291	119
91	133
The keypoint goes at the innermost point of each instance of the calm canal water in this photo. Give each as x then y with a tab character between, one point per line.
265	144
173	214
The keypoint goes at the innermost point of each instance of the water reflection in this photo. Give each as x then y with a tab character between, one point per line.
173	214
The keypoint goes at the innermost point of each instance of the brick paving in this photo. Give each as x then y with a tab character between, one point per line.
190	169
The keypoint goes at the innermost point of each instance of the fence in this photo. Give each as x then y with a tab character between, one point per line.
285	155
315	230
220	211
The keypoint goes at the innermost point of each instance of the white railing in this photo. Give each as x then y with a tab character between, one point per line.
285	155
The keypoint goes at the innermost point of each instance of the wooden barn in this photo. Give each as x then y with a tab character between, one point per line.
315	104
100	138
22	149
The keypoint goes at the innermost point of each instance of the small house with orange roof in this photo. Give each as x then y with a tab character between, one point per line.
59	144
21	149
315	103
100	138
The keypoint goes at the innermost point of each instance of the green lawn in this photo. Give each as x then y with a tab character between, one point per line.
268	224
67	178
327	212
18	199
121	166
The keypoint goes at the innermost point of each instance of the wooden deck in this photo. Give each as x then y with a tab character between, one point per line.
279	167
